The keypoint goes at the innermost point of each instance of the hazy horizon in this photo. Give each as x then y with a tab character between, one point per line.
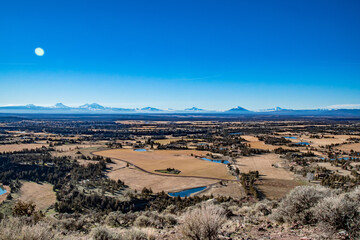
338	106
210	54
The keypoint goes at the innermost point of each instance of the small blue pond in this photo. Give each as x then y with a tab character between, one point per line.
302	143
187	192
2	191
290	137
140	150
216	161
343	158
236	133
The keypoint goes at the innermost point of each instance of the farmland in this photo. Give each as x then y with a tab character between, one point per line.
243	160
41	194
184	160
137	179
19	147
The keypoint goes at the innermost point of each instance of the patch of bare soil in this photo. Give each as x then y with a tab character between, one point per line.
41	194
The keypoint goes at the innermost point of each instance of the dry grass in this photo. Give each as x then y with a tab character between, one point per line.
230	189
178	159
86	162
275	189
16	228
168	140
73	147
19	147
338	139
137	179
255	143
339	170
41	194
263	163
274	182
349	147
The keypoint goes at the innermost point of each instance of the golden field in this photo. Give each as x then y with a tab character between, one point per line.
178	159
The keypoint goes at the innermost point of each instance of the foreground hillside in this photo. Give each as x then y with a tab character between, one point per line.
307	212
198	180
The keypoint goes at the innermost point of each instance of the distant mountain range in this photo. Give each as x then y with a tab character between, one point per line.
275	109
335	110
238	110
90	108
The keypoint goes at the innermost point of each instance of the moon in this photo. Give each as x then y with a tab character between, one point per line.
39	51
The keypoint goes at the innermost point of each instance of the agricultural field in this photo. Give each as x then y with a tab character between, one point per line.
41	194
338	170
275	188
73	147
137	179
226	189
268	165
275	181
20	147
167	140
74	150
326	140
103	163
178	159
254	142
348	147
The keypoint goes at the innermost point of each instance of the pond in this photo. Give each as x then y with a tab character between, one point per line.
140	150
236	133
202	144
187	192
342	158
302	143
2	191
290	137
216	161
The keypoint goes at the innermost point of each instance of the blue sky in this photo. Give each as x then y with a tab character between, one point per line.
179	54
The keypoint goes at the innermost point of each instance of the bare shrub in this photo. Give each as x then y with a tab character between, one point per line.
355	194
296	206
170	220
137	234
24	208
101	233
39	231
117	219
72	224
172	209
263	208
27	209
244	210
143	221
128	193
156	220
235	210
17	228
339	213
161	220
203	223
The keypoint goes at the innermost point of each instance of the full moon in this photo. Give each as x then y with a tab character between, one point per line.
39	51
